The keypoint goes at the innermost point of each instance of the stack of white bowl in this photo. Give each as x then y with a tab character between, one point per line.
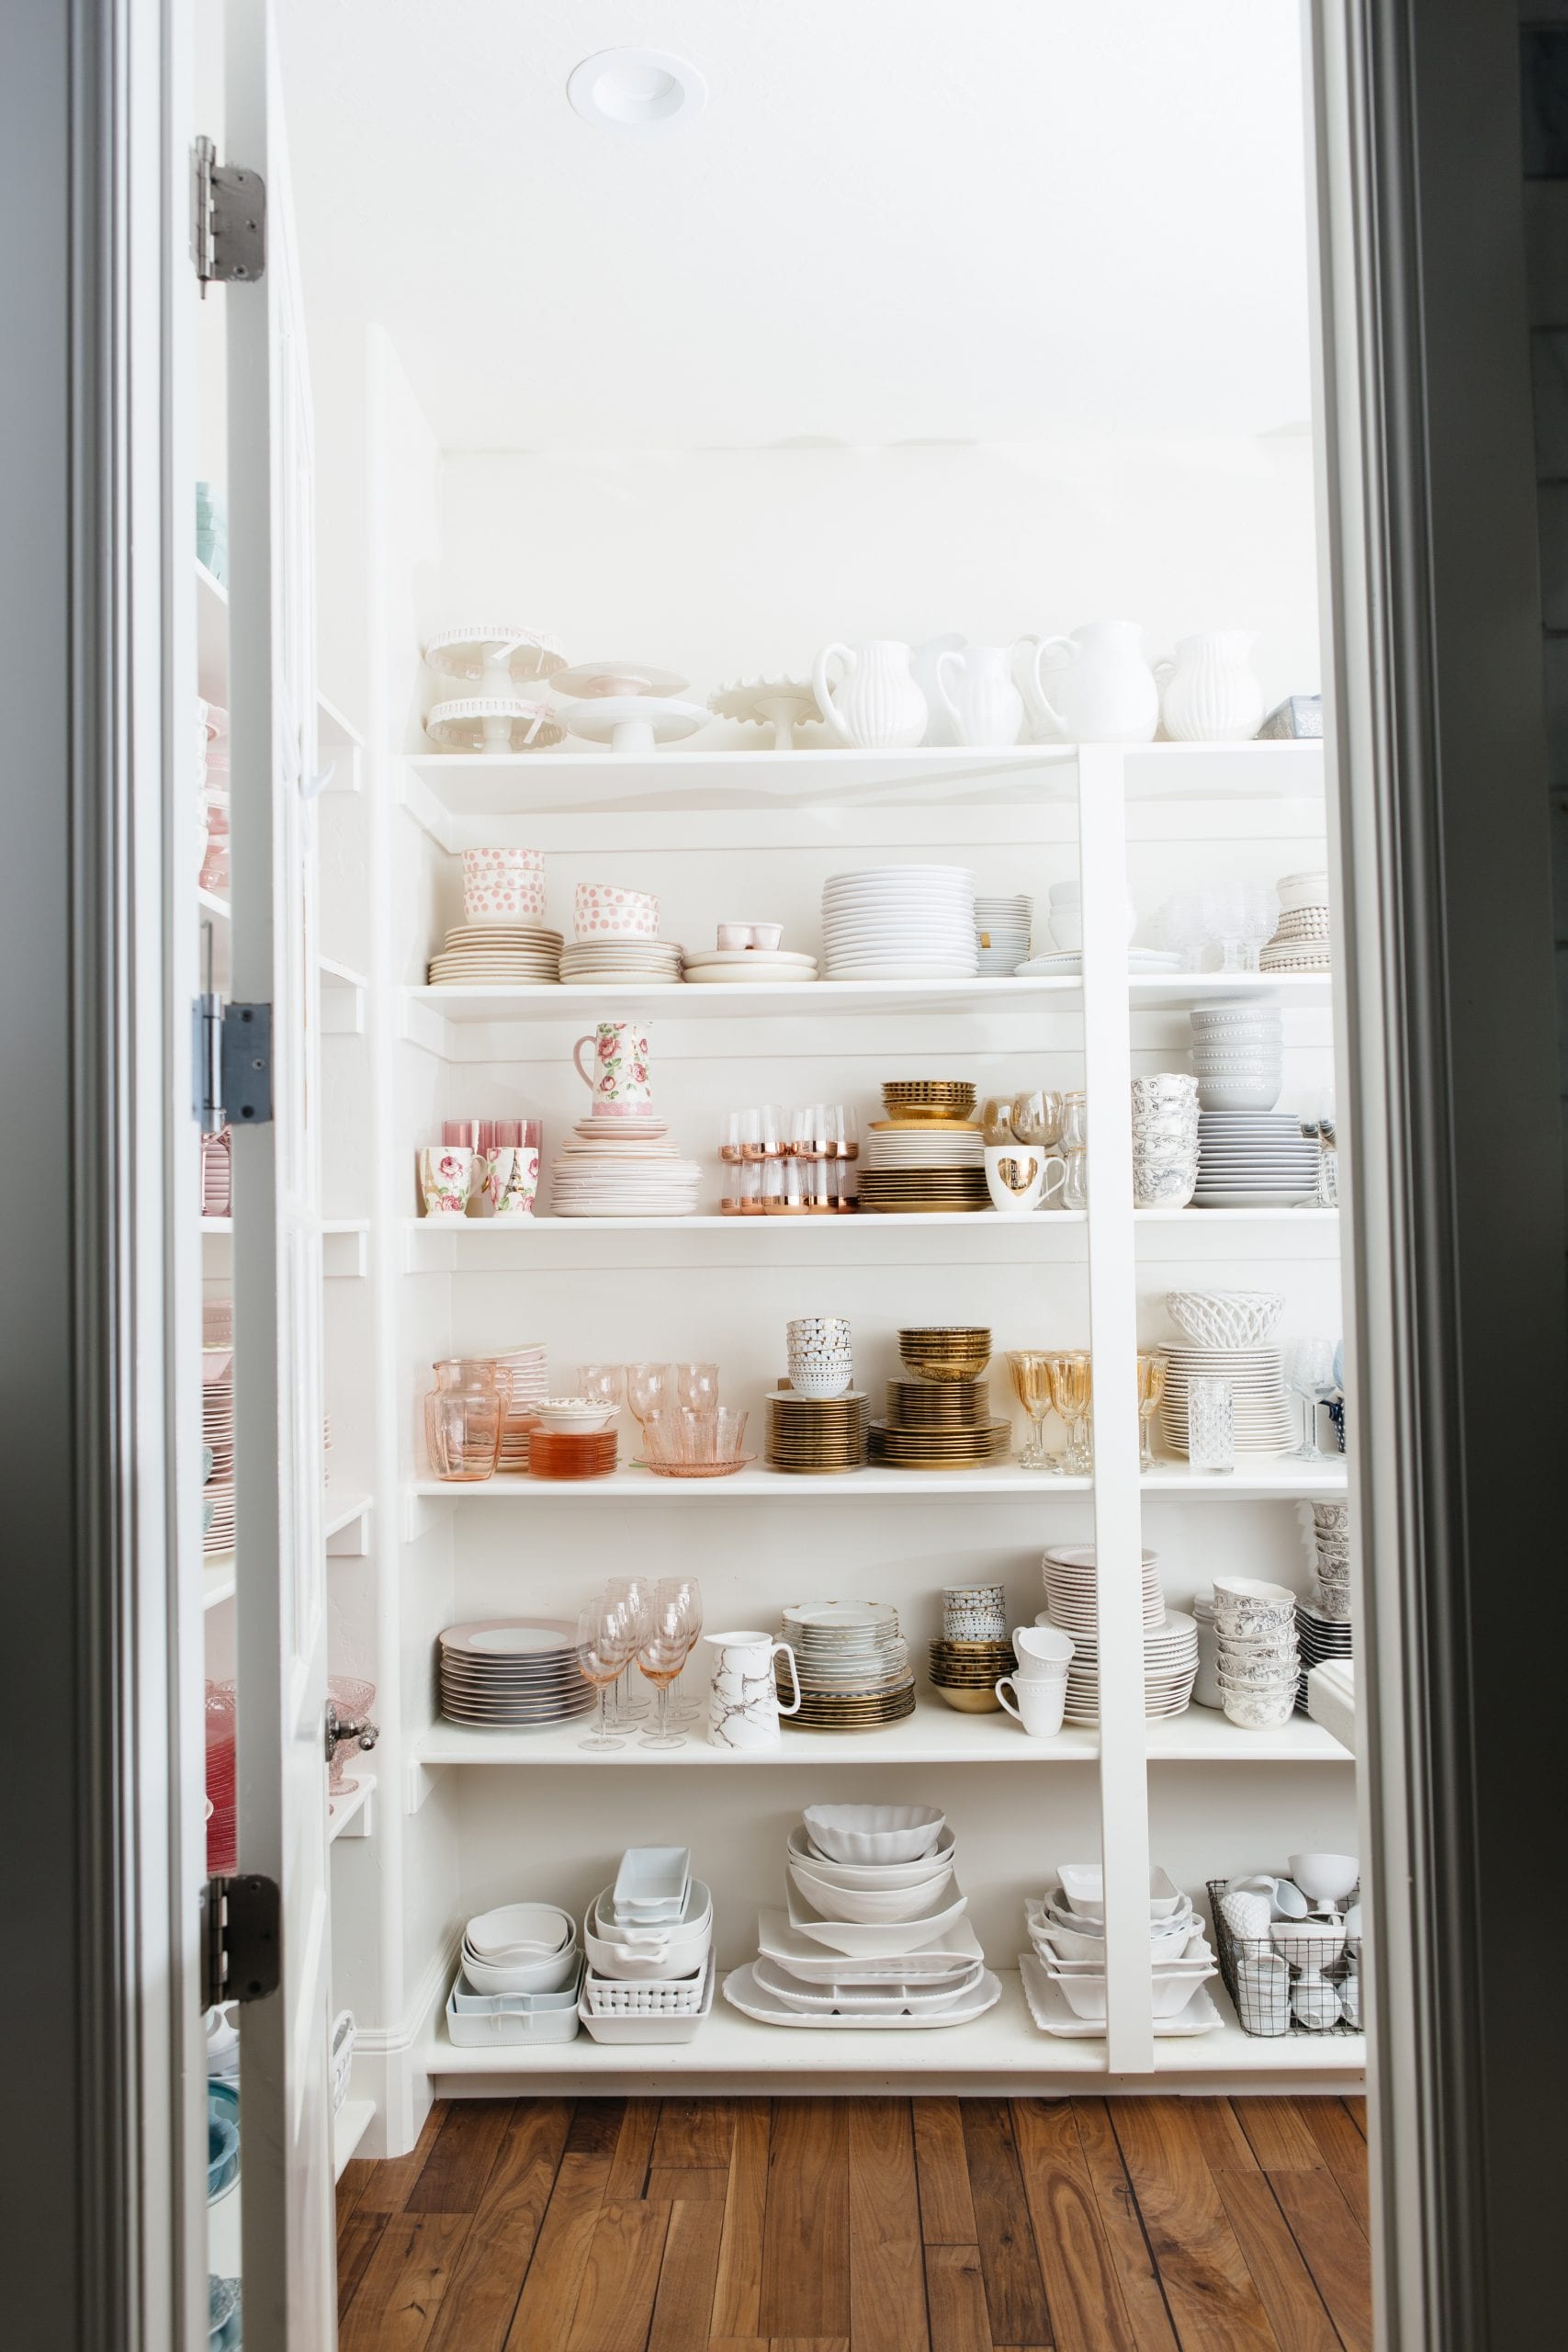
1165	1140
1238	1054
1001	934
519	1979
1303	941
1258	1657
1064	1974
1325	1627
650	1945
877	1934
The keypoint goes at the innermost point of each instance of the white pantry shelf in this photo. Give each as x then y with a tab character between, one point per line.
1257	1478
345	1528
725	1000
1004	2047
344	995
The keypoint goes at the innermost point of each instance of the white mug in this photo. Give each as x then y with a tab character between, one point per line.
1038	1705
1019	1176
1041	1651
743	1703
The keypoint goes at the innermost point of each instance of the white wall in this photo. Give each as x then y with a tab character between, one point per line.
725	563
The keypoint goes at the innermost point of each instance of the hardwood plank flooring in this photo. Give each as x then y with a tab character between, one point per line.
863	2225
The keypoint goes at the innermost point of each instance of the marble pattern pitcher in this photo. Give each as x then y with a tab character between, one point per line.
743	1704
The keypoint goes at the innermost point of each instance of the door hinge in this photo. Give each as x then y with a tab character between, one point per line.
231	1064
241	1940
227	218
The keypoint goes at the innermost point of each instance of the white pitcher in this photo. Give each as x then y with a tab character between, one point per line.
975	688
743	1704
878	706
1210	693
1107	691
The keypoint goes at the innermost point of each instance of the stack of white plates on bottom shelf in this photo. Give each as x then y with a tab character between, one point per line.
876	1935
1260	1405
1255	1159
1063	1971
625	1168
1001	934
891	923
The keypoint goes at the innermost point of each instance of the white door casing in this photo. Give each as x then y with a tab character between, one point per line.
281	1624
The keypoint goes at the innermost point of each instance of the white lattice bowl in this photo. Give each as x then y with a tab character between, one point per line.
1226	1319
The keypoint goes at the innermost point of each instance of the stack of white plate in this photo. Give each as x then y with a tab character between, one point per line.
923	1143
1170	1665
496	955
1254	1159
625	1168
638	960
520	1673
1001	934
1064	1973
754	967
852	1662
1305	939
900	923
1258	1391
1142	962
1070	1590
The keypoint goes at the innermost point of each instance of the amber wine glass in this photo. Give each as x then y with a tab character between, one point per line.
1070	1393
666	1644
1152	1370
1030	1372
603	1649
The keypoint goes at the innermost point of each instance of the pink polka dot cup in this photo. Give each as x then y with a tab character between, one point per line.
605	912
503	885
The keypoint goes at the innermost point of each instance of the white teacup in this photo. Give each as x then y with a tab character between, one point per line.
1019	1176
1041	1651
1038	1705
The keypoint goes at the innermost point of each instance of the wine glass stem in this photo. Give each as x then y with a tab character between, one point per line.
1146	1442
663	1732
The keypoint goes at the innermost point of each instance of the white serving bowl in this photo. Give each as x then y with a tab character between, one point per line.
551	1975
874	1833
1325	1878
1226	1319
1238	1094
574	1416
867	1904
871	1875
520	1931
878	1938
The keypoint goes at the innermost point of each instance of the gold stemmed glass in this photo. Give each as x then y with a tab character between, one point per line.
1030	1372
1152	1370
1071	1390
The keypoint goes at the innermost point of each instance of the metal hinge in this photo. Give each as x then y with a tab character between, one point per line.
231	1064
241	1940
227	218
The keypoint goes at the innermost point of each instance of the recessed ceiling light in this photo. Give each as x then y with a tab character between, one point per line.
636	89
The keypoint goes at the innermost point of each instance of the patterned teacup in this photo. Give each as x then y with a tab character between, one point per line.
446	1178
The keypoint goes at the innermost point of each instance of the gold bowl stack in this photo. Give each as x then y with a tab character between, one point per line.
927	1098
941	1420
966	1674
816	1436
946	1351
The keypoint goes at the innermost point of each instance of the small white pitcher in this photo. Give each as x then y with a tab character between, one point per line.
1210	693
977	691
743	1704
878	706
1106	691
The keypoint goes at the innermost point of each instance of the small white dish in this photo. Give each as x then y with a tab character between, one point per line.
871	1875
574	1416
878	1939
652	1884
1083	1883
867	1904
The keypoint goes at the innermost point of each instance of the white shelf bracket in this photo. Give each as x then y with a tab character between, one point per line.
423	1514
419	1781
424	1027
346	1255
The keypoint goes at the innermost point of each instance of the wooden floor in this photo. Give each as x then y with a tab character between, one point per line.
863	2225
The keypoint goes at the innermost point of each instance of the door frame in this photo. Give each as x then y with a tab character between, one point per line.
104	2147
1459	1363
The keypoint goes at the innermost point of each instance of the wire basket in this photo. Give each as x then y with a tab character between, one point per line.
1271	2003
611	1997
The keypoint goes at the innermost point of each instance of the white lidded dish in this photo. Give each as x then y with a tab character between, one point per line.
649	2029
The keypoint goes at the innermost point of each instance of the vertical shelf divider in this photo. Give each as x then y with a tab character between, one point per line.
1113	1339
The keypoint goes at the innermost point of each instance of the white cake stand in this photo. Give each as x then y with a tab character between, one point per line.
601	681
497	655
493	723
634	722
783	703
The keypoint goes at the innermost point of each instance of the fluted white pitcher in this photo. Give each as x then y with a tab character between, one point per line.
877	705
977	691
1210	693
743	1704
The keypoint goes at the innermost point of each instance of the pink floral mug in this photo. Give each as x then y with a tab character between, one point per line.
618	1079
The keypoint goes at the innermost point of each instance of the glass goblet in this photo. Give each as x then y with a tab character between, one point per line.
650	1388
1309	1369
1152	1370
601	1653
665	1646
1070	1393
1030	1370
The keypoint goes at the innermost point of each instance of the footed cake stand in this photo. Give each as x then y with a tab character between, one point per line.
495	655
493	723
783	703
634	722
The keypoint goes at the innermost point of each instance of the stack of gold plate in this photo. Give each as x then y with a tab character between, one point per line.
961	1447
910	1192
938	1404
946	1352
966	1674
927	1098
851	1710
813	1436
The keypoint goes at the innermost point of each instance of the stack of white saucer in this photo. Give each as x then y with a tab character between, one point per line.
1001	934
623	1168
630	960
496	955
753	967
891	923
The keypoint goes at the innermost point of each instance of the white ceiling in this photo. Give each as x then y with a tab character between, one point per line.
895	221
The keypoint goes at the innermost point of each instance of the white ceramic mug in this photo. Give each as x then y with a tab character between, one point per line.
512	1180
743	1703
446	1176
619	1081
1018	1177
1038	1705
1041	1651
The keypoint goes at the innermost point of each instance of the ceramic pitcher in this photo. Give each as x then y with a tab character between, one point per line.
1106	691
975	688
617	1078
1209	693
743	1704
878	706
